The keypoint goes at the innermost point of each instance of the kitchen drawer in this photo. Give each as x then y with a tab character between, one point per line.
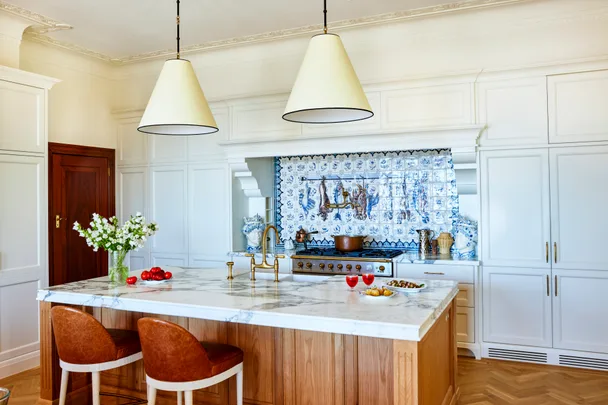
465	325
462	274
466	296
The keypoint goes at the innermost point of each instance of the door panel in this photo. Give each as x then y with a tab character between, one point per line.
515	208
79	186
580	310
517	306
168	189
579	190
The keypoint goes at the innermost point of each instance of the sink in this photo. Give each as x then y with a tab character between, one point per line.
297	278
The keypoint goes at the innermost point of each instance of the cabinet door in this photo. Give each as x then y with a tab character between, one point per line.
132	196
577	107
517	306
168	191
465	325
580	310
132	144
515	212
514	110
579	192
22	118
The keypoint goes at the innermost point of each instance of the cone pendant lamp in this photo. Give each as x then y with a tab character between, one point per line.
177	105
327	89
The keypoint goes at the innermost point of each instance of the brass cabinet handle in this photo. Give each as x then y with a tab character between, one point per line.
548	287
434	273
555	251
556	286
547	252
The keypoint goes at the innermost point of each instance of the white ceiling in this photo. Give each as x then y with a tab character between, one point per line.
121	28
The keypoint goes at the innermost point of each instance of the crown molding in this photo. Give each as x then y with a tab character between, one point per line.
37	35
40	23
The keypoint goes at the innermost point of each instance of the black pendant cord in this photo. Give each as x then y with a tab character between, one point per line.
324	16
177	21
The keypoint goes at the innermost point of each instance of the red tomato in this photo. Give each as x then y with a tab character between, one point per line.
158	277
168	275
145	275
131	280
155	270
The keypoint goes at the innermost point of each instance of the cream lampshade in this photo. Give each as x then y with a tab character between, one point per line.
327	89
177	105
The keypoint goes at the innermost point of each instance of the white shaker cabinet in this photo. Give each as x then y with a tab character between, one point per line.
579	192
515	209
517	306
132	195
17	134
580	310
577	107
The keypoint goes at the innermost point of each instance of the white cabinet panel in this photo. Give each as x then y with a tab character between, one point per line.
168	190
168	259
577	107
167	148
428	107
206	147
18	102
465	325
22	215
18	319
517	306
132	192
209	210
579	192
515	211
262	120
514	110
462	274
132	144
580	310
466	295
139	260
206	263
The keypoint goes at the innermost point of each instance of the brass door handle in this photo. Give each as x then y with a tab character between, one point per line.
556	286
548	287
555	251
547	252
58	221
434	273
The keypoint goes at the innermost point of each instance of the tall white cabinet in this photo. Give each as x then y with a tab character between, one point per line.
182	183
23	215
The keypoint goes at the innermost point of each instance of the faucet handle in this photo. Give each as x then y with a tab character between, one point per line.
249	255
279	256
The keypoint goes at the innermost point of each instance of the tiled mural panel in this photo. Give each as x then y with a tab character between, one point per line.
394	194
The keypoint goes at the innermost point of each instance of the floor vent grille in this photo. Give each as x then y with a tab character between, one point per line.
586	362
518	355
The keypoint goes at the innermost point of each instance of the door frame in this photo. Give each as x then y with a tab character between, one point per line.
76	150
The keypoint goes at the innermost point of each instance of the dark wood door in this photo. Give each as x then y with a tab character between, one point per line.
81	182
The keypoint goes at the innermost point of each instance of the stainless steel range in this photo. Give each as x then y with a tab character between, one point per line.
332	261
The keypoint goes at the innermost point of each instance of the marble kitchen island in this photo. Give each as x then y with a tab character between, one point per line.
307	339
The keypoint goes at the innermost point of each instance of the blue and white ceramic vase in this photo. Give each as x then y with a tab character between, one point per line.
465	238
253	229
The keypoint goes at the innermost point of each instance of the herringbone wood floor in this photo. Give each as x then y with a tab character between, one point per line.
484	382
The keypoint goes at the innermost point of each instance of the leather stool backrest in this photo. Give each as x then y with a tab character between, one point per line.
80	338
171	353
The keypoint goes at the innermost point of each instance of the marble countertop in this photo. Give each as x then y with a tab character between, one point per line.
315	303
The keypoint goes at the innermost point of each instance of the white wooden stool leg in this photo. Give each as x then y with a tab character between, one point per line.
189	400
96	386
239	388
151	395
179	398
64	386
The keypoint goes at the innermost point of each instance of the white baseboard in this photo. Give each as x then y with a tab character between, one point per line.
20	363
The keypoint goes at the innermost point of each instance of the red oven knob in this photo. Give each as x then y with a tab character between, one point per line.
321	265
349	266
308	265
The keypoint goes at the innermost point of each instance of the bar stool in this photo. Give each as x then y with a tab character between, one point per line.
175	360
84	345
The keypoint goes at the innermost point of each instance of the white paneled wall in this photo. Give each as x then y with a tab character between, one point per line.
183	184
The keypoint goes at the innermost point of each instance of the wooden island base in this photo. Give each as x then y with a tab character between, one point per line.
286	366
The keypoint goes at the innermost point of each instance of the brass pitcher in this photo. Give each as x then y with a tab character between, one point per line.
425	236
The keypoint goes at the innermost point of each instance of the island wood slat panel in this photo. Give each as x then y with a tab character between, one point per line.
287	366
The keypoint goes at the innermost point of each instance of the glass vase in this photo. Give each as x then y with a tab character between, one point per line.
118	270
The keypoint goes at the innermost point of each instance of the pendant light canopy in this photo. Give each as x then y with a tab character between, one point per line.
178	105
327	89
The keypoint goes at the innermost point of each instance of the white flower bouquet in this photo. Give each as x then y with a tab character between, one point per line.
106	234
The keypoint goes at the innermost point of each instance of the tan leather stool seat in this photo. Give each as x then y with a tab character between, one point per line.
222	357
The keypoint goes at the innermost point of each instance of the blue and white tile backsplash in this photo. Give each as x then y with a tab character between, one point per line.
397	193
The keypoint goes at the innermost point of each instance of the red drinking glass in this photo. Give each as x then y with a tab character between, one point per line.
368	278
352	280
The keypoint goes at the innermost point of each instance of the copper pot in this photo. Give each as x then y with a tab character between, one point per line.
348	243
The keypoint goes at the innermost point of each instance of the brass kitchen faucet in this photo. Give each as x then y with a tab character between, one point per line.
265	264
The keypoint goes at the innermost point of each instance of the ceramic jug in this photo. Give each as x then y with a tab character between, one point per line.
445	241
425	236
